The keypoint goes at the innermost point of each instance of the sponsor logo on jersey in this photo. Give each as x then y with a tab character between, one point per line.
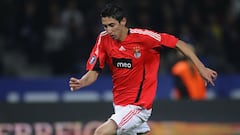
92	60
122	63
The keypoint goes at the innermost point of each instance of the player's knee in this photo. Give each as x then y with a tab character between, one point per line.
99	131
102	131
105	129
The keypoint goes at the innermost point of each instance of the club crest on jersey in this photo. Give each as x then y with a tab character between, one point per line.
136	52
92	60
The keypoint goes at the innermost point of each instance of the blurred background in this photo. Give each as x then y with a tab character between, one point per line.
45	42
54	37
51	40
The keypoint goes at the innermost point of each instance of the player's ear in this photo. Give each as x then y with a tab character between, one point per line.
123	21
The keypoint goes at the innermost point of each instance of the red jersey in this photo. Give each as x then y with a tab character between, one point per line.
133	62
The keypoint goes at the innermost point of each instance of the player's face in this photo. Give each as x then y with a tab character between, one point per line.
114	28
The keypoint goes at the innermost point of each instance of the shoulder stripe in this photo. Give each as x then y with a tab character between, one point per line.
103	33
99	41
147	32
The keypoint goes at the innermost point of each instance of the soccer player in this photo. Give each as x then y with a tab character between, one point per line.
133	57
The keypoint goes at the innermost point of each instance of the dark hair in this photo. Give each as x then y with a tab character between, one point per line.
113	10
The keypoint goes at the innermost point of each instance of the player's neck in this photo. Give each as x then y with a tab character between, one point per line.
124	34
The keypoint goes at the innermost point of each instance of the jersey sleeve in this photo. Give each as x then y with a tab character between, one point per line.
97	57
154	39
168	40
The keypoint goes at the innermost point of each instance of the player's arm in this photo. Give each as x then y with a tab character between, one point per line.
208	74
87	79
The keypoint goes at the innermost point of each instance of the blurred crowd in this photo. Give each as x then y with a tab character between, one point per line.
55	37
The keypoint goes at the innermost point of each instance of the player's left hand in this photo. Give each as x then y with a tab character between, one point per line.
210	76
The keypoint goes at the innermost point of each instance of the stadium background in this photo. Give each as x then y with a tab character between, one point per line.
44	42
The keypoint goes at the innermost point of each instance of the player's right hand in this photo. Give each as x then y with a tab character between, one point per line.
74	84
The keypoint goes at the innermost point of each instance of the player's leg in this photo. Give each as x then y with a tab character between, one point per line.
107	128
131	120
